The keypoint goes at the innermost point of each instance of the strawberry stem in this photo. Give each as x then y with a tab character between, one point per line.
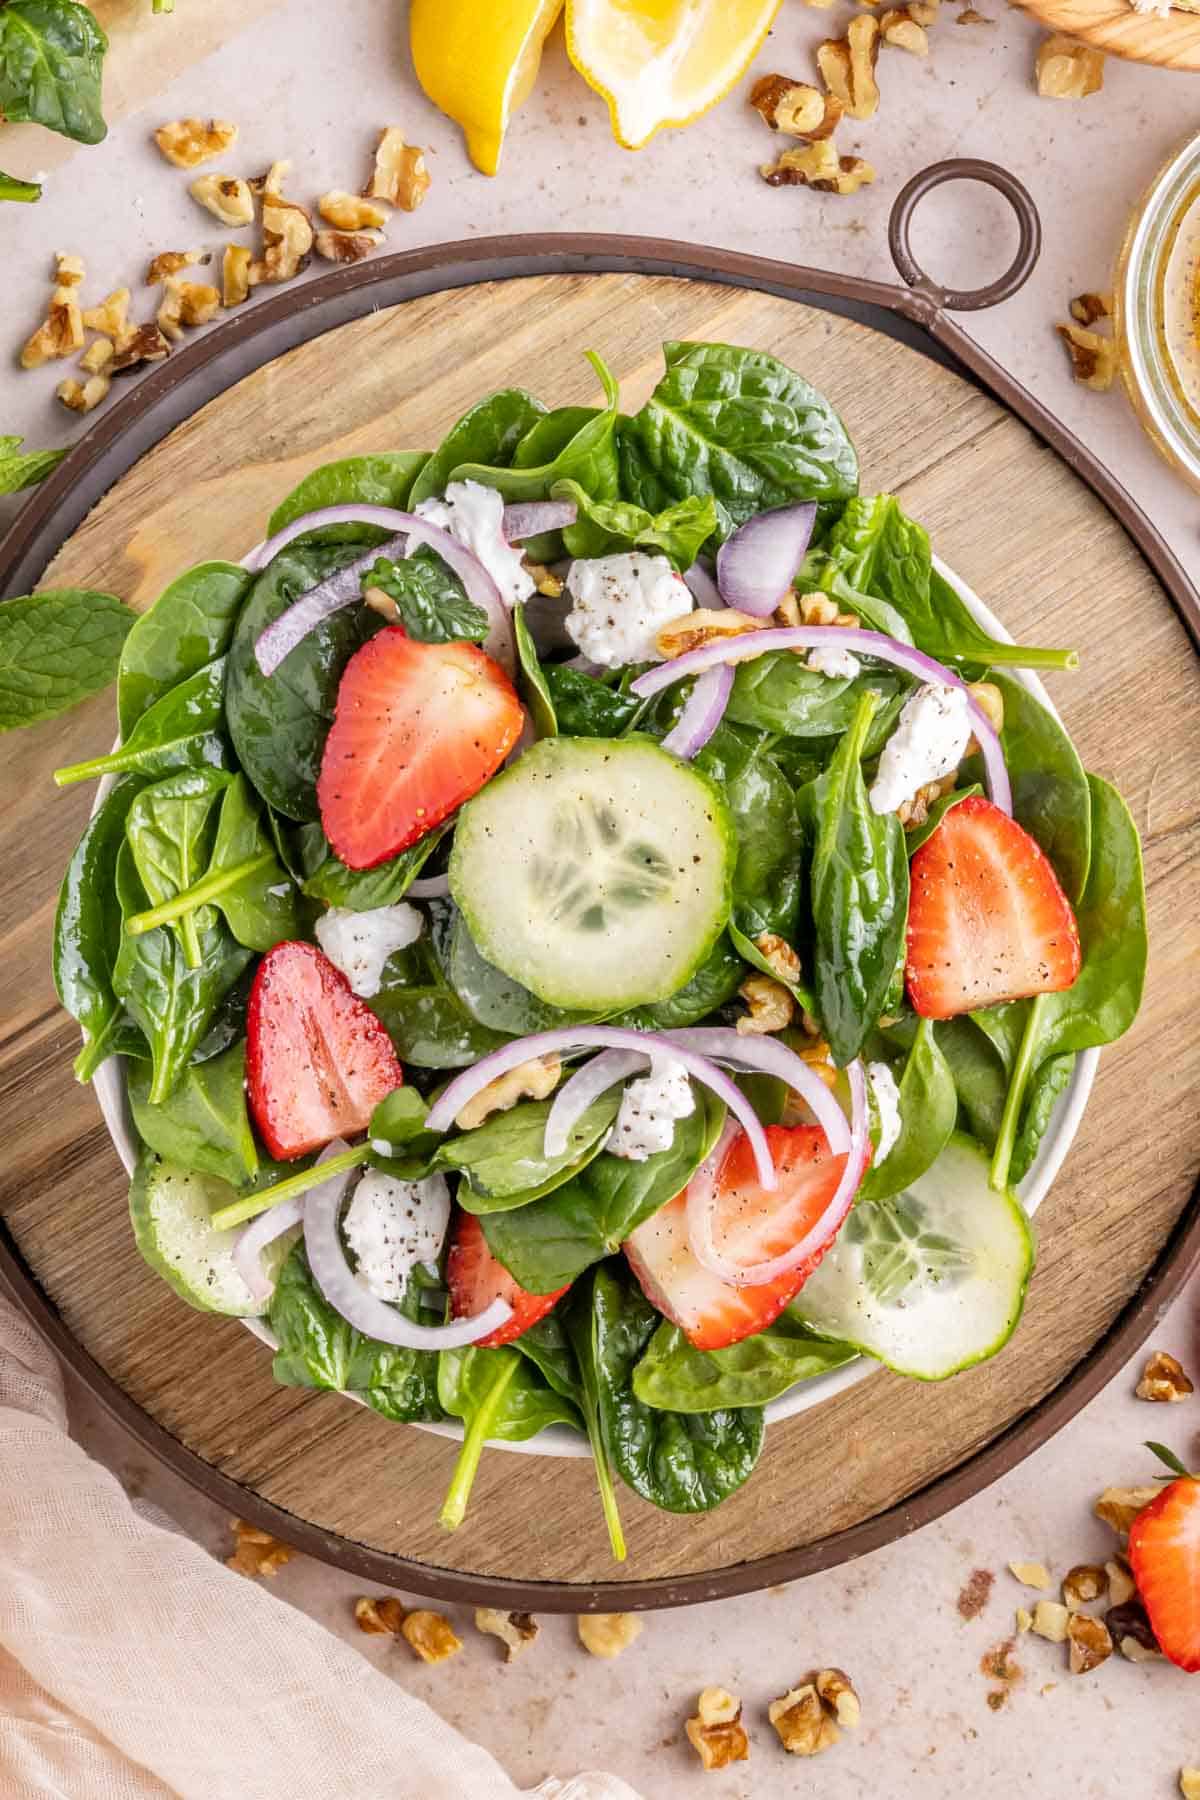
1023	1068
249	1207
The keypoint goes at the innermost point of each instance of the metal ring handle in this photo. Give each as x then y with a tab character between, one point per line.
964	168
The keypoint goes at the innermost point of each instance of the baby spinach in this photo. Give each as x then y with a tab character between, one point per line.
203	1124
183	730
1047	1085
715	981
57	648
585	706
779	693
23	468
550	435
87	936
739	425
767	878
590	457
426	1020
51	56
504	1159
169	832
494	998
323	876
488	433
547	1346
384	479
547	1244
673	1376
859	883
397	1133
609	528
1050	790
189	626
498	1394
430	599
531	681
928	1114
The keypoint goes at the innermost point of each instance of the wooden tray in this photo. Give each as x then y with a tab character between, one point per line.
1118	1231
1114	26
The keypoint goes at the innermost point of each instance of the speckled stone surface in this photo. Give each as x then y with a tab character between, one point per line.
313	83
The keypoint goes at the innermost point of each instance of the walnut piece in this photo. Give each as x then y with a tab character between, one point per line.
1121	1585
990	701
795	108
1163	1379
803	1725
819	166
516	1630
1090	1643
837	1694
532	1080
256	1552
287	232
1130	1629
399	175
544	579
779	955
1119	1507
819	609
1093	358
97	356
346	246
430	1635
770	1006
1083	1584
186	303
1024	1619
189	142
1067	70
379	1615
847	66
898	28
913	813
716	1732
171	262
1050	1621
1189	1784
351	212
111	317
226	197
60	335
607	1634
235	274
1087	308
145	345
68	270
703	626
925	12
1032	1575
83	397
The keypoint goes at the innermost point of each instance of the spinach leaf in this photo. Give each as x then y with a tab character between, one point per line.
57	648
397	1133
548	436
87	936
488	433
430	599
859	883
1050	790
608	528
384	479
547	1244
498	1394
672	1376
168	831
937	812
18	468
493	998
51	54
504	1159
749	952
426	1020
979	1076
780	693
684	1462
1047	1084
587	707
180	731
739	425
13	188
203	1124
767	878
715	981
324	877
531	683
189	626
928	1114
590	457
547	1346
279	723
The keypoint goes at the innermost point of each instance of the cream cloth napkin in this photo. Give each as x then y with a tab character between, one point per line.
135	1667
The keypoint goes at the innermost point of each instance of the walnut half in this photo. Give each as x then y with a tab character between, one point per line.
430	1636
795	108
287	232
186	303
716	1732
803	1725
187	142
1093	358
226	197
1163	1379
516	1630
902	31
379	1615
83	397
770	1006
847	66
532	1080
59	335
398	175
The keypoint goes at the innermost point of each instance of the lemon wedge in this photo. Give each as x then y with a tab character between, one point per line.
663	62
478	60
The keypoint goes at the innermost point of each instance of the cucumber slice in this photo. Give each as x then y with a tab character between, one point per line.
931	1280
171	1210
596	871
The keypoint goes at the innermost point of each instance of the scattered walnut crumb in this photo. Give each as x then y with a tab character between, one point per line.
544	579
1087	308
795	108
1189	1784
1024	1619
778	954
847	66
705	625
1119	1507
770	1006
235	274
1067	70
346	246
287	232
516	1630
925	12
902	31
1163	1379
1093	358
1083	1584
351	212
430	1635
188	142
111	317
256	1552
819	609
975	1593
607	1634
84	397
68	270
170	262
379	1615
804	1727
186	303
716	1732
227	197
97	356
145	345
1032	1575
398	175
1090	1643
1050	1621
819	166
61	333
532	1080
1121	1585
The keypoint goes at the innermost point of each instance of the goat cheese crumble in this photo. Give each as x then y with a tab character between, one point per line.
359	943
619	605
886	1096
474	517
393	1225
649	1110
838	664
929	741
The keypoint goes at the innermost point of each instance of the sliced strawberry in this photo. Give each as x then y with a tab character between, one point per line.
475	1279
987	919
418	729
1164	1553
318	1061
750	1226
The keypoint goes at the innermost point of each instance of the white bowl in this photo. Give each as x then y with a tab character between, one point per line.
559	1440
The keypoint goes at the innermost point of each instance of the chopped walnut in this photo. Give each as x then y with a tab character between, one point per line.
1090	1643
170	262
1163	1379
145	345
1119	1507
287	232
819	166
351	212
847	66
226	197
837	1694
84	397
186	303
399	175
188	142
898	28
1050	1620
235	274
795	108
544	579
1087	308
1189	1784
990	701
779	955
1093	358
716	1732
819	1058
1083	1584
703	626
913	813
68	270
1130	1629
111	317
925	12
788	610
346	246
60	335
430	1635
379	1615
1121	1585
256	1552
819	609
97	356
803	1725
1067	70
516	1630
532	1080
607	1634
1024	1619
1032	1575
771	1007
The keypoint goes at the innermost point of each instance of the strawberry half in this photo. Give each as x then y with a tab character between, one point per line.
475	1278
318	1061
1164	1554
417	730
750	1226
987	919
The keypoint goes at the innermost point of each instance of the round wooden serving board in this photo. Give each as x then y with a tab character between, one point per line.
1027	533
1115	27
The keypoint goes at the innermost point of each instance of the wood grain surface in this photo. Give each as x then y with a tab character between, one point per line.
1114	26
1010	518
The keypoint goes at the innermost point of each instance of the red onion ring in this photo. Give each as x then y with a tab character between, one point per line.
529	518
464	1087
749	644
702	1204
703	588
767	1056
702	713
757	565
341	589
587	1084
247	1252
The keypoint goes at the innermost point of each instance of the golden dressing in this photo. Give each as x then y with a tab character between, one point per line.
1178	304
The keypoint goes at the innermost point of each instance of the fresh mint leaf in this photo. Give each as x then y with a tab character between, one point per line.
23	469
57	648
51	56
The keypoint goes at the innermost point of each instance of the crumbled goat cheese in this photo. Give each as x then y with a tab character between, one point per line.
886	1096
359	943
649	1109
473	515
929	741
839	664
393	1225
620	604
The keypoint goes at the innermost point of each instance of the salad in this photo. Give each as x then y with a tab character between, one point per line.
596	930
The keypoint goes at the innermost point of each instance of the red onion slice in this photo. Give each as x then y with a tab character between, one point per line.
702	713
750	644
362	1309
529	518
704	589
702	1204
587	1084
757	565
342	589
247	1252
464	1087
428	887
287	631
767	1056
